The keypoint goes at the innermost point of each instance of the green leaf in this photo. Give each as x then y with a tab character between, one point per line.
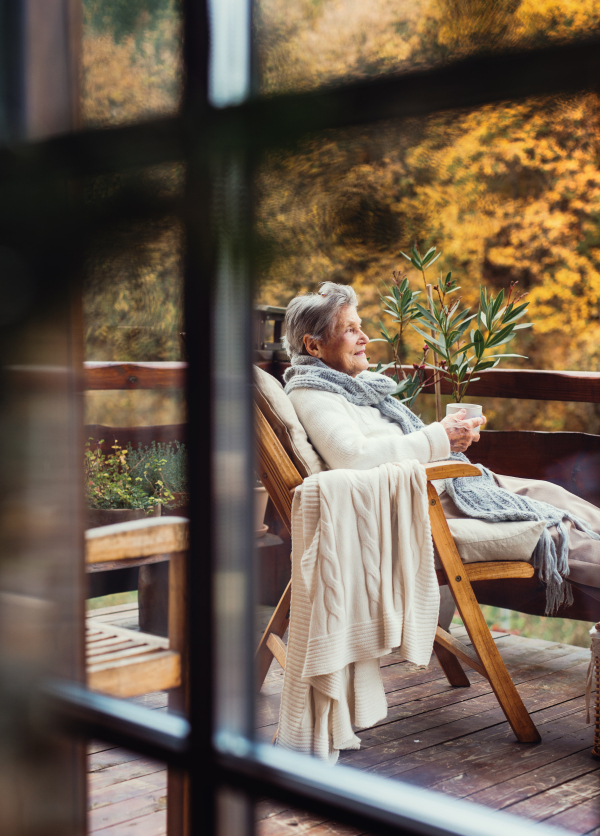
478	343
407	257
431	261
486	364
428	316
429	339
524	325
501	336
513	313
502	356
497	304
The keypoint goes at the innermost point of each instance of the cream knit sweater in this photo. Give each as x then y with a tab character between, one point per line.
360	437
363	582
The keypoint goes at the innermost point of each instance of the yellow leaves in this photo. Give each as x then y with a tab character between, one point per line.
131	79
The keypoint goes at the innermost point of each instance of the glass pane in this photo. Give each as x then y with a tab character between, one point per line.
131	61
41	568
306	45
506	193
134	456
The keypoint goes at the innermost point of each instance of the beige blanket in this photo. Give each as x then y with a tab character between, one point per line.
363	583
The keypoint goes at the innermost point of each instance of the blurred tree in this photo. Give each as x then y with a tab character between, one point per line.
509	192
131	69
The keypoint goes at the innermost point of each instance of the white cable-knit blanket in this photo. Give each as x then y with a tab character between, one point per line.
363	583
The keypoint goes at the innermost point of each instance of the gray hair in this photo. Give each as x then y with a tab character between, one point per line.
315	314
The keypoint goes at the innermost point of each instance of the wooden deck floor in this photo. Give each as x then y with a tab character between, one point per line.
453	740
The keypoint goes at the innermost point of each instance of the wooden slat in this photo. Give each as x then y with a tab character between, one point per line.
277	648
109	630
494	570
277	625
275	469
127	663
450	470
451	667
582	387
139	538
460	650
126	563
107	375
571	460
138	675
483	644
524	384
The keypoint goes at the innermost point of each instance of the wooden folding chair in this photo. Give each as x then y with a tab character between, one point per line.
280	477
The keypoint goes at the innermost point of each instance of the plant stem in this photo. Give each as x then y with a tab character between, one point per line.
437	385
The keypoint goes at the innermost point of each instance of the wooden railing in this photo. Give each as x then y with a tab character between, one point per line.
568	459
134	375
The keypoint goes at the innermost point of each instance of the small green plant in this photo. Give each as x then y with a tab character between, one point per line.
123	480
459	350
165	468
400	303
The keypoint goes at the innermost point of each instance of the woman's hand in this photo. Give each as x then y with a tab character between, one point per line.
462	432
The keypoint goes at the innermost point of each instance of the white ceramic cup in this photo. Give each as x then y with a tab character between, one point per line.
473	410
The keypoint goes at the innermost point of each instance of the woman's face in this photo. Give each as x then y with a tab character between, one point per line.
344	351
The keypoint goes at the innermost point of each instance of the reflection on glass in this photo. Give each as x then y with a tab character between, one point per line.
508	192
305	45
131	60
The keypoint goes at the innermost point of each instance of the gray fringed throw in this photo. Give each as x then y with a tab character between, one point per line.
478	497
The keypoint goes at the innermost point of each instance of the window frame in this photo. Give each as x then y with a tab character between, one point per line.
202	136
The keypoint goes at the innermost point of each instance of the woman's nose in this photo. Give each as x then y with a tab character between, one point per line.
363	338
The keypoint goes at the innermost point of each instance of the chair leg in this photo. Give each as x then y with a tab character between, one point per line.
277	625
451	667
481	639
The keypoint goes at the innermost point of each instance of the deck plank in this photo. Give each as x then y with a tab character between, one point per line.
152	824
452	740
127	810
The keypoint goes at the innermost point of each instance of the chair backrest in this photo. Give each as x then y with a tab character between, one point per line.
281	416
276	470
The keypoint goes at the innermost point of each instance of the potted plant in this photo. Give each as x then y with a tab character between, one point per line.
126	485
120	487
165	469
461	342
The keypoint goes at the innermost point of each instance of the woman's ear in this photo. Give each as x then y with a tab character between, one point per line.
311	346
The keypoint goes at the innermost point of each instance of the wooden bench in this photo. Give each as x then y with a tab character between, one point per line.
127	663
124	662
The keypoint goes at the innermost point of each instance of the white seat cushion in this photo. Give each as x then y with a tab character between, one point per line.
281	415
478	540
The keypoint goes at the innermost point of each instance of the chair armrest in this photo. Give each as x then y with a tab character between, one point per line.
450	470
443	470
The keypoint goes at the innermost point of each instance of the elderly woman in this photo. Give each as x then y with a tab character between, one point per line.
353	422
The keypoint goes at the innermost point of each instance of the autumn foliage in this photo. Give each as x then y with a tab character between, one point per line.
509	192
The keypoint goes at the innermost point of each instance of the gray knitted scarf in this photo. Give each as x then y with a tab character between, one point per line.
478	497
